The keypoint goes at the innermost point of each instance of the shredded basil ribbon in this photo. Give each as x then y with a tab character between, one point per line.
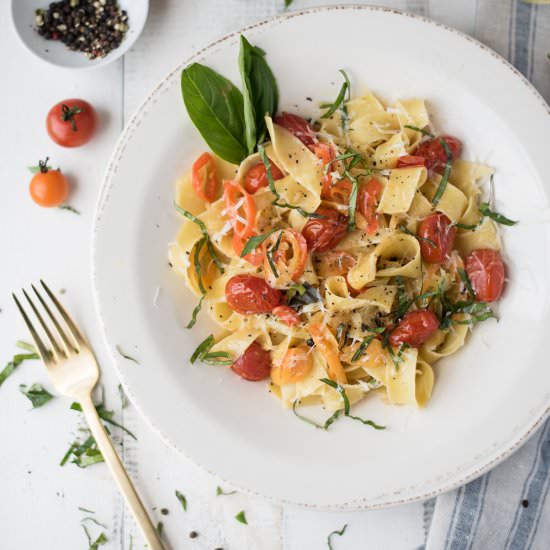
36	394
499	218
328	422
215	358
182	499
407	231
340	98
340	389
446	173
335	532
422	131
467	284
105	415
256	241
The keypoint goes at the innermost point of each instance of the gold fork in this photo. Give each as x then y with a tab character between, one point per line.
73	370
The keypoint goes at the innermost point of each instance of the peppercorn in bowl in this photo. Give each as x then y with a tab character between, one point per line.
78	34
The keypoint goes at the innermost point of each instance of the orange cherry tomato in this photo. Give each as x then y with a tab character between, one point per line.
437	237
333	262
248	294
289	258
48	187
254	364
326	342
415	328
486	272
369	195
287	315
434	153
408	161
299	127
256	177
256	257
204	177
325	233
241	209
72	122
295	366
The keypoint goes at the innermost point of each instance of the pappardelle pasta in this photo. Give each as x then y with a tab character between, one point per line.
338	256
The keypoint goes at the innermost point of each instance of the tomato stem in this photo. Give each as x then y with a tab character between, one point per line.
43	165
67	114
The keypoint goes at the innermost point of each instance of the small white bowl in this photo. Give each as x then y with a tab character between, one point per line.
55	52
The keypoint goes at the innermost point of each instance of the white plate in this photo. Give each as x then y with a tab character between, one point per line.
488	398
55	52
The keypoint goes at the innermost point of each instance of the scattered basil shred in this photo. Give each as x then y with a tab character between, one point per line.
17	359
333	533
182	500
421	130
36	394
330	420
126	356
446	173
105	415
340	98
220	492
241	517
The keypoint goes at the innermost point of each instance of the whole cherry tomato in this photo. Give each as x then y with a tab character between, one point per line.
256	177
367	202
485	270
437	236
204	177
434	153
325	233
71	123
248	294
415	328
254	364
48	187
287	315
299	127
408	161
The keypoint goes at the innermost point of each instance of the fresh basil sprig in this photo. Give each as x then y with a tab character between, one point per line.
260	93
340	389
215	107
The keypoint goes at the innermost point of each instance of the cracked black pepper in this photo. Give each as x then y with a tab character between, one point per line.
93	27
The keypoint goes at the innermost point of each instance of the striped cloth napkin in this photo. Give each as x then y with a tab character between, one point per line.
508	508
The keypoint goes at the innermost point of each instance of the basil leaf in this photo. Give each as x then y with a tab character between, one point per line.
220	491
215	107
467	284
196	311
362	347
309	296
499	218
340	389
467	226
352	200
339	533
36	394
407	231
105	415
254	242
328	422
260	92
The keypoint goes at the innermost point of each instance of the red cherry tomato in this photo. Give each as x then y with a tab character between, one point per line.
369	195
233	192
485	270
254	364
299	127
247	294
287	315
256	257
408	161
204	177
48	187
434	153
71	123
325	233
437	237
256	177
415	328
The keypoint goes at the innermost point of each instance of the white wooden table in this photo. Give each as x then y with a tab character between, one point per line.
39	505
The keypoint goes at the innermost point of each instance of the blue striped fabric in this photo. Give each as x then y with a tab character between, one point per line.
508	508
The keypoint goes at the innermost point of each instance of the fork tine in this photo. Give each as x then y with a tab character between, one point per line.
75	332
63	352
42	350
68	343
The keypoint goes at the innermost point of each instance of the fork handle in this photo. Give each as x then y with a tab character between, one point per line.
119	474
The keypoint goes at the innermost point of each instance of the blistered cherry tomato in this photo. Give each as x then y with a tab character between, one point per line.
204	177
247	294
325	233
254	364
241	209
295	366
48	187
415	328
434	153
437	236
367	202
72	122
299	127
256	177
287	315
485	270
408	161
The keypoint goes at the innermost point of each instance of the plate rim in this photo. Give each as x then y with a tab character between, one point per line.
393	499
